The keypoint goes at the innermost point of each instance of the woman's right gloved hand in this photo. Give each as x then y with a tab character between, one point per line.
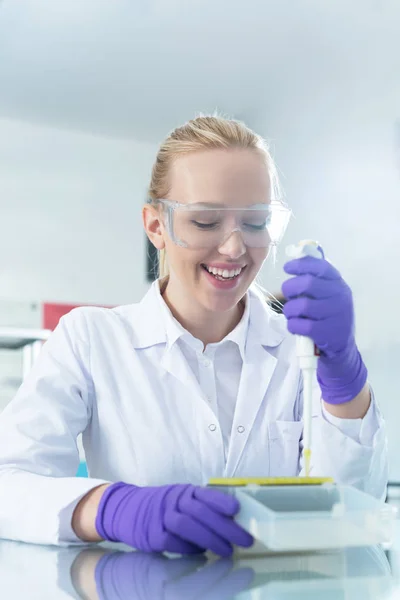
182	518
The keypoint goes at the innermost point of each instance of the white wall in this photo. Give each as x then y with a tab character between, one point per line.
70	215
70	223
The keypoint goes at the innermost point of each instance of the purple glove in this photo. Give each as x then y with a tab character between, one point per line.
184	519
320	306
139	576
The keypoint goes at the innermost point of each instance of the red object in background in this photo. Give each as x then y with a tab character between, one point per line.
52	313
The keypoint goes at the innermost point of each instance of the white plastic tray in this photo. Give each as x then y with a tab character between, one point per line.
312	518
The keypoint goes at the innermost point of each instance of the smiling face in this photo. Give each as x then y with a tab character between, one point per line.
217	275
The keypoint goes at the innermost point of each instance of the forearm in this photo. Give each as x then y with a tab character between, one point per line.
84	516
357	408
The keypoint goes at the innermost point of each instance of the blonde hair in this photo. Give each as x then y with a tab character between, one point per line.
199	134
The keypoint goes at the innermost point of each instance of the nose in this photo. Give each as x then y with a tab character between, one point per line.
233	246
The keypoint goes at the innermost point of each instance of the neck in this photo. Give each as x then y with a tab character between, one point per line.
205	325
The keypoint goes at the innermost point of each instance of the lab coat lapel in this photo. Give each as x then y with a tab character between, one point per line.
150	330
266	331
175	363
256	375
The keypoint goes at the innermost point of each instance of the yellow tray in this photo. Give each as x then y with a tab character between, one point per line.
243	481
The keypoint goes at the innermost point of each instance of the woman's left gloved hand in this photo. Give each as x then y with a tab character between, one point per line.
320	306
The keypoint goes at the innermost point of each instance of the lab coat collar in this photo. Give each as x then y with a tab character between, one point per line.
148	325
151	326
175	331
266	327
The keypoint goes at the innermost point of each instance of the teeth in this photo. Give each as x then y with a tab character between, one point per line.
223	272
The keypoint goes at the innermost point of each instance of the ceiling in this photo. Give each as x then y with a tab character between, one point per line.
132	68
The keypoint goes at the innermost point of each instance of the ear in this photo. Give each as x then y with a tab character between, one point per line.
153	226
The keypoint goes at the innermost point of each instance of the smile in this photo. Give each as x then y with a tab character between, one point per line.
223	274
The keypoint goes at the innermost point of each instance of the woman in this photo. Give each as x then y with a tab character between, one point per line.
198	380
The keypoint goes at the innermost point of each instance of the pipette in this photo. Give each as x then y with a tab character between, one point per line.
307	353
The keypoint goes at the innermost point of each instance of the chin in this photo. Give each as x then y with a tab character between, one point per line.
222	302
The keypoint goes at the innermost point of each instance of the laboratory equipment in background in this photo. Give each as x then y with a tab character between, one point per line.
25	326
30	341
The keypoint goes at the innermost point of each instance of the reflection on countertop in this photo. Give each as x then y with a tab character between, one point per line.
112	572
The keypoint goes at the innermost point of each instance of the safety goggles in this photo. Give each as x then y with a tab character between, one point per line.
203	226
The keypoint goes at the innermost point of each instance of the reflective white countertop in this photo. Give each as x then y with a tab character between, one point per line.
111	572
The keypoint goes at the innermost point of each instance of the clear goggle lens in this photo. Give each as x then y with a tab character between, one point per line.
194	226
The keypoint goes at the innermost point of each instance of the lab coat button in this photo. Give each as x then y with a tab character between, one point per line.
212	427
206	362
240	429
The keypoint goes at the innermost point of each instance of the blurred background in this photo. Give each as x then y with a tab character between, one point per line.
89	88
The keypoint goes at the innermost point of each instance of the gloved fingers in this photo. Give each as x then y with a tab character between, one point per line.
318	267
319	331
308	308
301	327
178	545
311	286
225	527
166	540
195	533
225	504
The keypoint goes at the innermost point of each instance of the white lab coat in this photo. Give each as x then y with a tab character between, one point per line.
107	373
